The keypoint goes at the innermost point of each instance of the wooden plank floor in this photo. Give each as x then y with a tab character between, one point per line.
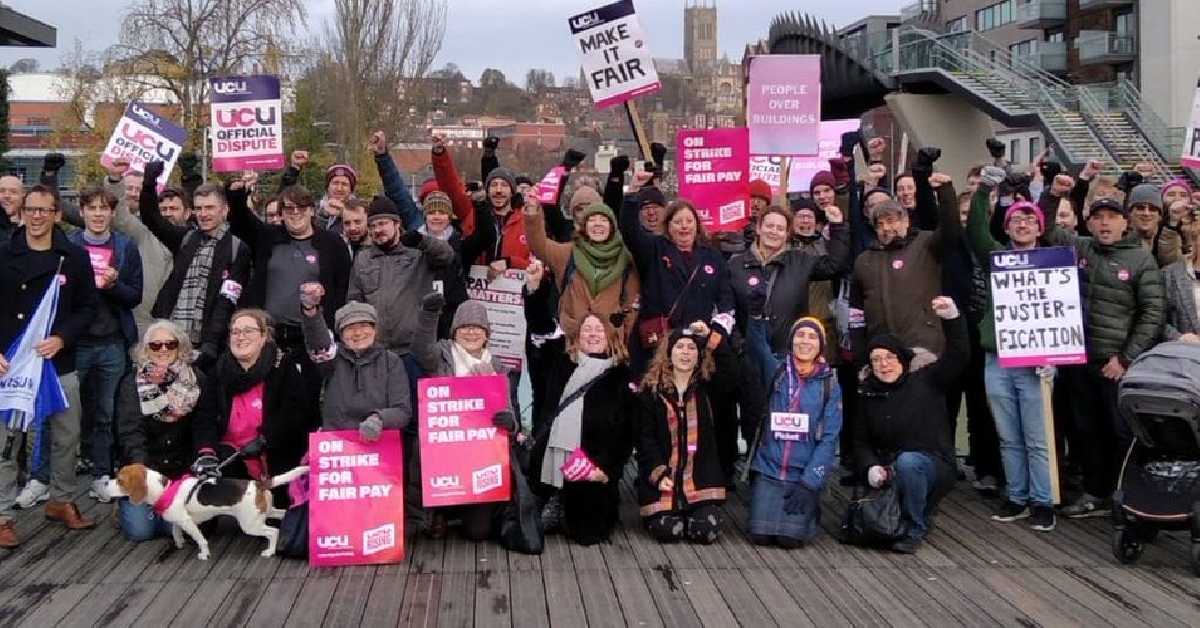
972	572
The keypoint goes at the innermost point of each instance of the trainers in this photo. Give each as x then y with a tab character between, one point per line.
33	493
1042	519
83	466
99	490
987	485
1086	506
1011	511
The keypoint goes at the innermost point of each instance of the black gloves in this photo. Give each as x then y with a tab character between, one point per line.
505	420
411	238
189	163
1129	180
433	302
928	155
849	140
572	158
206	466
491	143
152	171
995	148
658	153
1050	169
53	162
618	165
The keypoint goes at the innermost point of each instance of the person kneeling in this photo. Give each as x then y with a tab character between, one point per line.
797	443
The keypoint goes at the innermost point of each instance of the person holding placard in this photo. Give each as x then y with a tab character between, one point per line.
1124	308
1015	394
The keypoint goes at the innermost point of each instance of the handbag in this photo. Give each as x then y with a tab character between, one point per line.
652	330
520	520
874	517
293	533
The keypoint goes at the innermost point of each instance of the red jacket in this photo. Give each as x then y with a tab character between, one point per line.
511	246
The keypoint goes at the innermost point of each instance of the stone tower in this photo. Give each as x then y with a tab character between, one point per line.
700	35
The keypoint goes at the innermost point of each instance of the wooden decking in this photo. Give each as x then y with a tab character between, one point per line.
973	572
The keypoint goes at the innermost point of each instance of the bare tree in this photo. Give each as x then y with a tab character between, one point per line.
373	52
177	45
23	66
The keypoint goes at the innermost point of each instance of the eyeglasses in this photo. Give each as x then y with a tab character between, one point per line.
39	211
166	345
1023	220
884	359
239	332
293	209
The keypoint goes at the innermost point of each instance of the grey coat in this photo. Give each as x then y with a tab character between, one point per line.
157	260
1178	286
393	282
357	386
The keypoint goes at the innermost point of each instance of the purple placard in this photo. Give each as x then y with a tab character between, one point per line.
246	123
783	105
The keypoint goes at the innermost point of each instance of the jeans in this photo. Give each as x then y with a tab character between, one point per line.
758	350
916	480
138	521
101	367
1018	406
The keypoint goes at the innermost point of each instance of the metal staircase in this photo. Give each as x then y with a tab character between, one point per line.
1111	124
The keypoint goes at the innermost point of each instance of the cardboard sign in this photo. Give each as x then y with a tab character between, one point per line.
1039	319
714	175
617	64
505	304
548	187
247	123
356	499
1191	142
464	457
144	135
803	168
783	104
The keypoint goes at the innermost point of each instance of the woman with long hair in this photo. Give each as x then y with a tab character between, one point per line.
587	428
680	482
166	419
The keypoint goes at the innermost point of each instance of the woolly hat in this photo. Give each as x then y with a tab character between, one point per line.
892	344
585	196
342	170
524	180
823	177
354	312
1145	194
382	207
1177	183
1025	206
470	314
438	201
651	195
807	204
598	208
809	322
680	334
427	187
503	174
760	189
1108	203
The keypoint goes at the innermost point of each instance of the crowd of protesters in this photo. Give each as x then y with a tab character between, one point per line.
835	338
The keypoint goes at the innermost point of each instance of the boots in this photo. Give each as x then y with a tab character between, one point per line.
68	514
8	535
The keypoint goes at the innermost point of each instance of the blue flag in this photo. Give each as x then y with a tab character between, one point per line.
30	391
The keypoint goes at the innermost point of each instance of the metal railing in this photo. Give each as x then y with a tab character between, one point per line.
1126	142
1168	141
1100	46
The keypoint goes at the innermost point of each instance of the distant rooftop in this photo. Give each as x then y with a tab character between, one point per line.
18	29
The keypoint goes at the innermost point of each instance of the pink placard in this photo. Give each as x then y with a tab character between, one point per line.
356	499
464	457
783	104
714	174
548	187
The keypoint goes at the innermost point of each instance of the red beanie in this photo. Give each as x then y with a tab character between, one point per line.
760	189
427	187
823	177
342	170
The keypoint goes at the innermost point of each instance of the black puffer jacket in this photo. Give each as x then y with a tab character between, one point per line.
1123	298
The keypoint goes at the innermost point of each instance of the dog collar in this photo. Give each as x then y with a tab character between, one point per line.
164	501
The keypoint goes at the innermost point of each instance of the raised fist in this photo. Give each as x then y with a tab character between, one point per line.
618	164
53	162
117	168
938	179
152	171
995	148
876	148
378	143
658	153
572	158
490	142
299	159
438	144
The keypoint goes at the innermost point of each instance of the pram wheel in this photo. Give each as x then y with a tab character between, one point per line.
1128	548
1196	559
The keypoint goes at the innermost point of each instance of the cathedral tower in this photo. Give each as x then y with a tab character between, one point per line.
700	35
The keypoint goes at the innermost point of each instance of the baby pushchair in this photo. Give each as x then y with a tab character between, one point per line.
1159	484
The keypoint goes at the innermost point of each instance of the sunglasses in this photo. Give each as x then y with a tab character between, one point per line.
168	345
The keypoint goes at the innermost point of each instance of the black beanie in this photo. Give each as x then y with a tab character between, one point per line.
651	194
893	344
384	207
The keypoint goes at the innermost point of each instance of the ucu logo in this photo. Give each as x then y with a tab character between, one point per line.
341	541
1011	259
444	481
229	87
145	114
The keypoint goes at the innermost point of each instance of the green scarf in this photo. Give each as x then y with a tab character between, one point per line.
600	263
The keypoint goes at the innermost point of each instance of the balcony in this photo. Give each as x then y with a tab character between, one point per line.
915	10
1106	47
1088	5
1050	56
1042	14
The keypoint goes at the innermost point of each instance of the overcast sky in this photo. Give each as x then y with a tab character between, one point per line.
511	36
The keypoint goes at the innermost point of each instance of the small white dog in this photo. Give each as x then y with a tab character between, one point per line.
174	500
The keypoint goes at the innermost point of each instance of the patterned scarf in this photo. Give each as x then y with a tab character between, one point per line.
189	307
168	397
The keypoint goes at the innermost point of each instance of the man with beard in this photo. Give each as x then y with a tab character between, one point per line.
354	226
